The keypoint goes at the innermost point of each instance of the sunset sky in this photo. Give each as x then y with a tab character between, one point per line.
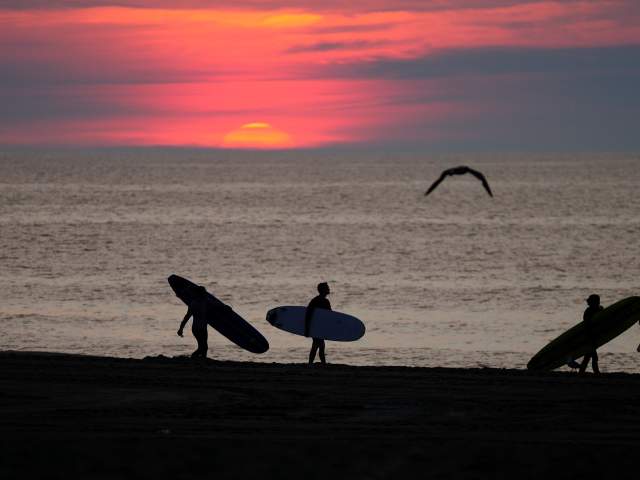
459	74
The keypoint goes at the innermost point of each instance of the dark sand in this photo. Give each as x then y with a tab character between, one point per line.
67	416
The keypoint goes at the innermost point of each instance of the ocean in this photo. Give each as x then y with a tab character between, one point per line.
455	279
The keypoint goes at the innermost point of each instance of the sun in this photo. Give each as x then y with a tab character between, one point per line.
257	135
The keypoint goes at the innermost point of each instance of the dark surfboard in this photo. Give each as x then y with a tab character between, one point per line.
222	317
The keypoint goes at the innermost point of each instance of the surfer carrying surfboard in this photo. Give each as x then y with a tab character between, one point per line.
594	307
198	309
319	301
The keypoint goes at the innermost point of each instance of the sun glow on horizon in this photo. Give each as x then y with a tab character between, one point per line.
257	135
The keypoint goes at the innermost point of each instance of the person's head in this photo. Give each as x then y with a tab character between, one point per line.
593	300
323	289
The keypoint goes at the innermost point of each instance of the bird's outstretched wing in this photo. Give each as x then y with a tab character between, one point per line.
482	178
436	183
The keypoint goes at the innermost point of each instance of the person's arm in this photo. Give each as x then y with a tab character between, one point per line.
184	321
587	318
308	315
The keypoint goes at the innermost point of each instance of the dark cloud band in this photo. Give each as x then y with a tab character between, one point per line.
490	61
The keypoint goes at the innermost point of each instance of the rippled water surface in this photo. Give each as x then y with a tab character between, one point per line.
453	279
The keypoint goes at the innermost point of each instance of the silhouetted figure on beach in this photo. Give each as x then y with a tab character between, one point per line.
460	171
594	307
320	301
197	309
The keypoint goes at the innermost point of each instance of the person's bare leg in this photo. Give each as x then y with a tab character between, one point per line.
204	348
322	358
314	349
201	338
585	362
594	363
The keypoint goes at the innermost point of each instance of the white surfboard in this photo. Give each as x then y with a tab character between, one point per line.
325	324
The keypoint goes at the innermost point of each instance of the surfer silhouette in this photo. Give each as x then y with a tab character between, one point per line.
319	301
197	309
594	307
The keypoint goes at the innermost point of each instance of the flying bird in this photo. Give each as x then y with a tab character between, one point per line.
460	171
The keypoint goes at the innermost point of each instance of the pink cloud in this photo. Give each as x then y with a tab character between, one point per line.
190	75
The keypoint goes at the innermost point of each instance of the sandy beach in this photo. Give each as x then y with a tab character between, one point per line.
99	417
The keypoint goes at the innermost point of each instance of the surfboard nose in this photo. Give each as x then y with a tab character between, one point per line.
272	315
258	344
176	282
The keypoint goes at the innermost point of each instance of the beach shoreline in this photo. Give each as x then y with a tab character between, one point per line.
108	417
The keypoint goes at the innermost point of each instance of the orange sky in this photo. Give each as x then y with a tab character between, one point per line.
164	76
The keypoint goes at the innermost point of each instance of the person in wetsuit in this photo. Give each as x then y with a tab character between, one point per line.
197	309
594	307
320	301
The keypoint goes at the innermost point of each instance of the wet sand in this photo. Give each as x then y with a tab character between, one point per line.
68	416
